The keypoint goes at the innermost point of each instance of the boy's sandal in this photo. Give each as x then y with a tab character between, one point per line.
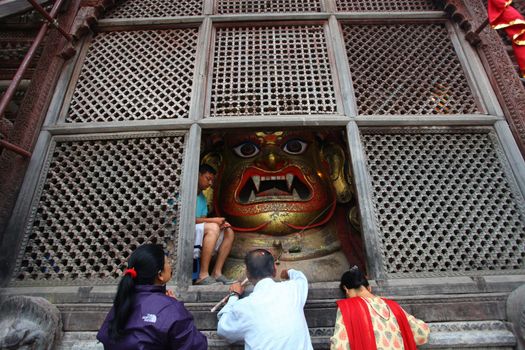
222	279
206	281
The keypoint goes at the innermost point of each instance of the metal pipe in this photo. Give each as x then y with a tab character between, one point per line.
15	148
51	19
482	26
10	92
473	37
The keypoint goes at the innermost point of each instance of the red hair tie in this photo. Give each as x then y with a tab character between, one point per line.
131	272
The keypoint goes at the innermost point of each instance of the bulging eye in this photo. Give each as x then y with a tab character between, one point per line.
246	150
295	146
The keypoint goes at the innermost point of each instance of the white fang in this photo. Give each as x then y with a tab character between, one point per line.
289	180
256	181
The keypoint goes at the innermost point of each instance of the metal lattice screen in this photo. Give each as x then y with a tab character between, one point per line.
261	6
136	75
444	202
156	8
100	200
406	69
272	71
384	5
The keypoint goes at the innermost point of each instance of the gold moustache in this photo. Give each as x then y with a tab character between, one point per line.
281	222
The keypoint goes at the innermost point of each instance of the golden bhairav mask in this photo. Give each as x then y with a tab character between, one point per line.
274	183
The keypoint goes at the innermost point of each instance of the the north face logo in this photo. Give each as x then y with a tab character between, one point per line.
150	318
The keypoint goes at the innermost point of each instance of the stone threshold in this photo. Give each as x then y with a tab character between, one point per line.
479	335
401	287
320	313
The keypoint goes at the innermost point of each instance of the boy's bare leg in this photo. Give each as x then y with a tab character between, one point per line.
211	234
224	251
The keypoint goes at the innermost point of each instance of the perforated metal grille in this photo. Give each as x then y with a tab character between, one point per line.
251	6
443	202
136	76
406	69
272	71
100	200
382	5
156	8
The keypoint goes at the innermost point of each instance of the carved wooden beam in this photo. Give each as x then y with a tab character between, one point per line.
88	15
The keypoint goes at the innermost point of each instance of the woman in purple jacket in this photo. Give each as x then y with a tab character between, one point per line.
143	317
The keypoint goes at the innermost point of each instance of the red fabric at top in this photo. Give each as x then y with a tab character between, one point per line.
504	16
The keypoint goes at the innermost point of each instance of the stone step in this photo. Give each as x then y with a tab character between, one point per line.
478	335
319	313
460	318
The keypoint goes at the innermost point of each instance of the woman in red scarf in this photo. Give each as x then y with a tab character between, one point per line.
367	322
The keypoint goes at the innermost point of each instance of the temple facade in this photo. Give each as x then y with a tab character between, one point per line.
390	135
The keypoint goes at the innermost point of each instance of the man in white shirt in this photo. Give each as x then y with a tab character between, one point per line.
272	316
